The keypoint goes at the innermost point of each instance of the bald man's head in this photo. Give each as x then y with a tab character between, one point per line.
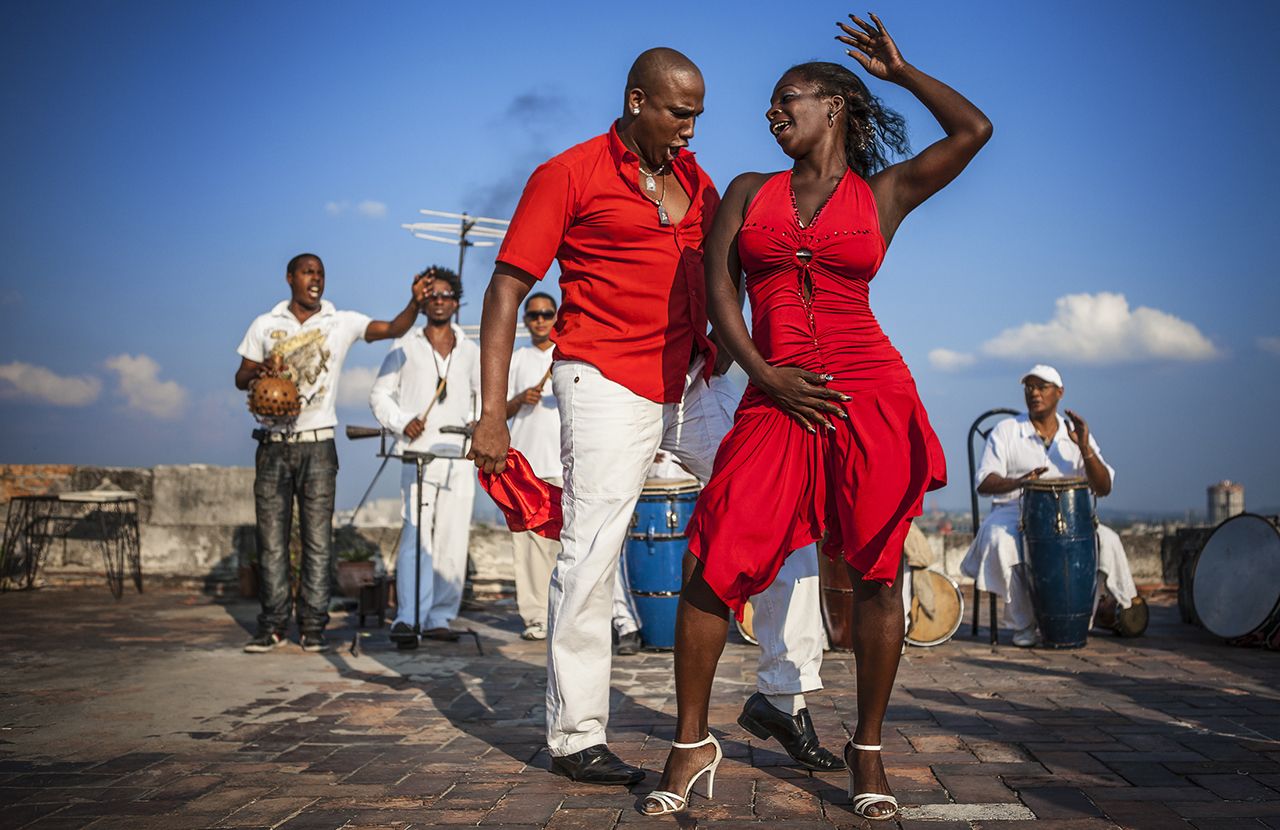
656	66
664	98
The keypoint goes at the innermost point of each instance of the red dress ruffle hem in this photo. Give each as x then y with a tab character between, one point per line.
777	487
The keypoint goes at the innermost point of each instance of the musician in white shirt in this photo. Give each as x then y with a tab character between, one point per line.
534	421
1040	444
431	379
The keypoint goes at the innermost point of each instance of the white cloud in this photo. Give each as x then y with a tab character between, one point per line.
371	208
139	382
354	386
1270	345
23	380
1101	328
945	360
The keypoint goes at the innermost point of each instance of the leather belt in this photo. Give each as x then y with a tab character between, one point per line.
306	436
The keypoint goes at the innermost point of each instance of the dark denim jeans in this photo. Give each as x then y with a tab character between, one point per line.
309	473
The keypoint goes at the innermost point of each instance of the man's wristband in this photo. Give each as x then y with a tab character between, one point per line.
1090	455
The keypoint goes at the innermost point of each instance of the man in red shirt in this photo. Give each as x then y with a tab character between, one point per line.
625	214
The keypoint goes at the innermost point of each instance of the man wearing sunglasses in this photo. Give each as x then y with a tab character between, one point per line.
431	379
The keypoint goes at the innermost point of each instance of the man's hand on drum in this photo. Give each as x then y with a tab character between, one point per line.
804	396
489	443
1033	475
1078	431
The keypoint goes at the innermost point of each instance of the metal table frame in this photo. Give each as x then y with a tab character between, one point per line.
35	521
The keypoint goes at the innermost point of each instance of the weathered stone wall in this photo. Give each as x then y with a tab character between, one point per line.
1142	549
197	523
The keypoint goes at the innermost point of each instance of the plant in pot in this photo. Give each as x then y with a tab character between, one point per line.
356	565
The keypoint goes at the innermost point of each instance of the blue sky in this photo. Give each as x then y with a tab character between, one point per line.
163	161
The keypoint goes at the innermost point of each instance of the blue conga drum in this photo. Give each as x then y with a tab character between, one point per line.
1060	558
654	556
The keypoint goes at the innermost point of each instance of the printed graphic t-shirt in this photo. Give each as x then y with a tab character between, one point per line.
313	353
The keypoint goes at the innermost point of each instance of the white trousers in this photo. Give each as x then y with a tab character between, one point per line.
609	436
994	562
448	491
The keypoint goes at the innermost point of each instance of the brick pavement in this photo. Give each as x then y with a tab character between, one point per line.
145	714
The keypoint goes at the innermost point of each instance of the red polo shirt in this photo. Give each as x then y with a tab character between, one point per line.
633	299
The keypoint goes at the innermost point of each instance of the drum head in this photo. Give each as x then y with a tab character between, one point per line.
937	607
1236	586
1056	484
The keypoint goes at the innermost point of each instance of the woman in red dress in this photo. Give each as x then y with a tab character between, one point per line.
830	441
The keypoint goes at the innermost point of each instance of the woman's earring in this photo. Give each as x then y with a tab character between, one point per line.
635	110
831	119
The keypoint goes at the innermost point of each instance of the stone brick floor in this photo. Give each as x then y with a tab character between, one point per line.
144	713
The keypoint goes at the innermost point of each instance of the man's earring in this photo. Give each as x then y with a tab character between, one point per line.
635	110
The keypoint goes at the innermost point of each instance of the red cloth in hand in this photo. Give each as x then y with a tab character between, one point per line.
527	502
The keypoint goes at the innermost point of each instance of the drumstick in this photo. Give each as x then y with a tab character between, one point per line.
434	398
545	377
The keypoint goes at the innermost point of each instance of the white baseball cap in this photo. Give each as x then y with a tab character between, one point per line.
1044	372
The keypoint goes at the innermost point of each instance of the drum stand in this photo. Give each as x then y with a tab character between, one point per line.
421	460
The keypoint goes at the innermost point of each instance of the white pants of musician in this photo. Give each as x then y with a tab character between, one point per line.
448	492
993	561
608	437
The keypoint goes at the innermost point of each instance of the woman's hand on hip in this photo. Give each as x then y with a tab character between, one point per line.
804	396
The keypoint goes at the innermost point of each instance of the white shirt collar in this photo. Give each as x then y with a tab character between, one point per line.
1028	430
282	310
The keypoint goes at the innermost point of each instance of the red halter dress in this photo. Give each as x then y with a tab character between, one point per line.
776	486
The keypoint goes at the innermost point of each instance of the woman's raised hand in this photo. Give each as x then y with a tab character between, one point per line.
872	47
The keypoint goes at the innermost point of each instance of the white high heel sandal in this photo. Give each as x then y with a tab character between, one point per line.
861	802
672	802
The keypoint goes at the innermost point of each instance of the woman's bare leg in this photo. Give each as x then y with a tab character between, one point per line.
878	627
702	623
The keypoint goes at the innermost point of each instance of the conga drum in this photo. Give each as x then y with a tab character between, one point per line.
1236	590
937	607
654	553
1060	558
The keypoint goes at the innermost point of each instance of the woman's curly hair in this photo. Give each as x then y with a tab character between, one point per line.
875	132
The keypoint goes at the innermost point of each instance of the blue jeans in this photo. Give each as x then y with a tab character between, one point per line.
309	473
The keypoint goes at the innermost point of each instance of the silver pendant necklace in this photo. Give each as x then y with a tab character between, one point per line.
649	183
651	186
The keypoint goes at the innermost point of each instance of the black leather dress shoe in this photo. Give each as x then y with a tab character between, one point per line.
596	765
795	732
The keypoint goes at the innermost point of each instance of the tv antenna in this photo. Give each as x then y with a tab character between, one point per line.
462	227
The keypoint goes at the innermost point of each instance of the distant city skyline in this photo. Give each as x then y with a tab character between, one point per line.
167	160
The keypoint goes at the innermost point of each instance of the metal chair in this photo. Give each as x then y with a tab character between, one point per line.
977	429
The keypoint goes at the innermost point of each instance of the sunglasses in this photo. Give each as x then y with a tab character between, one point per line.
440	295
539	315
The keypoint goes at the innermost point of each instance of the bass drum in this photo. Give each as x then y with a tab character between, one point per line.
936	610
1236	588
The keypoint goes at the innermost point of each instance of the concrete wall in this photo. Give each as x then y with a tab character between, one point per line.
1142	549
197	523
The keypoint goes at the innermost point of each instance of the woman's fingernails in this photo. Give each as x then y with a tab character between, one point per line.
830	425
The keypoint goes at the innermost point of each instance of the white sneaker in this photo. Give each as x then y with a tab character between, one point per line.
1025	637
535	631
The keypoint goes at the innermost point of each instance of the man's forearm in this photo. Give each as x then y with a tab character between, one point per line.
497	337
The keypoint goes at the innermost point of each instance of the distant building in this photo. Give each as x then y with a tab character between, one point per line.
1226	499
